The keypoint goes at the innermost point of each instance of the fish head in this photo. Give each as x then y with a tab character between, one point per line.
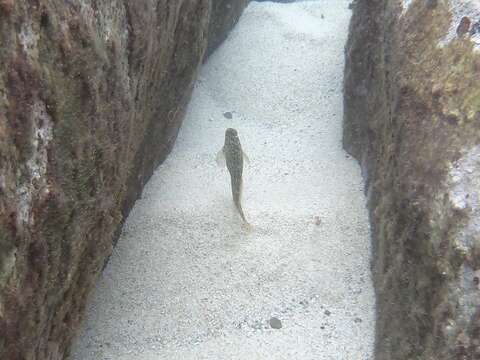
230	134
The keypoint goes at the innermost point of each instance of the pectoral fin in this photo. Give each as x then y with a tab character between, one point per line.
246	158
220	158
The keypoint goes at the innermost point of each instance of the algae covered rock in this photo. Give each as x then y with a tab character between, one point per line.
92	94
412	118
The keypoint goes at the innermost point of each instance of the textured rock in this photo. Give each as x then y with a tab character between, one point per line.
412	118
92	94
225	14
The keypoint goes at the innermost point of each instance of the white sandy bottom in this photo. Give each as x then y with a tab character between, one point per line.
186	281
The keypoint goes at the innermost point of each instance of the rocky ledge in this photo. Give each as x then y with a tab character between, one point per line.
412	118
92	94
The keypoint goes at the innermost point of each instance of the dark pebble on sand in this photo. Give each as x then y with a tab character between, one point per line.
275	323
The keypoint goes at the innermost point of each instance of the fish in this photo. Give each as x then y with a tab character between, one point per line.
233	157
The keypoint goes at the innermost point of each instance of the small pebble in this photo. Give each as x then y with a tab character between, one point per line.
228	115
328	313
275	323
475	29
357	320
464	26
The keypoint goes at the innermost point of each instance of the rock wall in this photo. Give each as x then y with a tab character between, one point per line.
92	94
412	118
225	14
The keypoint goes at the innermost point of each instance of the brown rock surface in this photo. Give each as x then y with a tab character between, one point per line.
92	94
412	118
225	14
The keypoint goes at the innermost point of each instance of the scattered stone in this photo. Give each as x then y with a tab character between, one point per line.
328	313
464	26
476	279
228	115
358	320
317	220
275	323
475	29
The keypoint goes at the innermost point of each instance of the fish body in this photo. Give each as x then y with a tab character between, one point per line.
233	157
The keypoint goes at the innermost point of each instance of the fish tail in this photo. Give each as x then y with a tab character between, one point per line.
240	211
237	186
